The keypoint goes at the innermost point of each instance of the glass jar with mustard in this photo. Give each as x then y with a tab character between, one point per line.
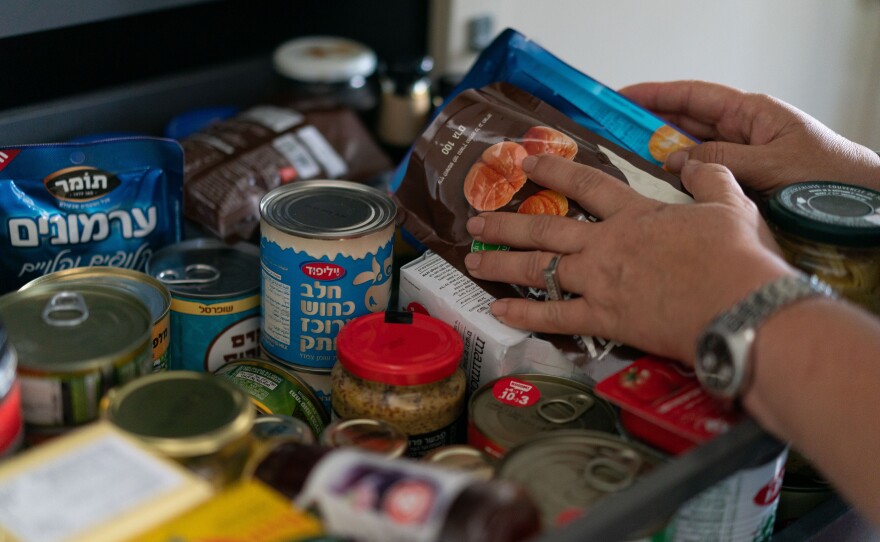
401	368
832	230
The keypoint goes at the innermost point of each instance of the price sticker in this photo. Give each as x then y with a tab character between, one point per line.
515	392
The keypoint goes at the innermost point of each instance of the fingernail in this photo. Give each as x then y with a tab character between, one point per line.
475	225
691	163
529	162
498	308
472	260
676	160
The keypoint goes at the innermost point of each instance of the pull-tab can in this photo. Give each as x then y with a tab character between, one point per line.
513	408
74	342
215	302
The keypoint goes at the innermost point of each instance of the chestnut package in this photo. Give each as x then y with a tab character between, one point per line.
469	160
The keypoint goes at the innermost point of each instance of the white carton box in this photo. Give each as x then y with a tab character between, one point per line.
492	349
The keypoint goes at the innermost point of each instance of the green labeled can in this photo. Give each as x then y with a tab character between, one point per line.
74	343
153	293
274	389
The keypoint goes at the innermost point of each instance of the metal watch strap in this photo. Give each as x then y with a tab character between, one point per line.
735	330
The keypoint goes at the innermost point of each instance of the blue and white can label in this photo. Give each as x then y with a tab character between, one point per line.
326	258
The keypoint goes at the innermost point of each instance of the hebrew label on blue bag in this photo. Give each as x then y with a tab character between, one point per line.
106	203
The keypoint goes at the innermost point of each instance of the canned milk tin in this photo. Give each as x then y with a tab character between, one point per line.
215	301
326	252
740	507
153	293
198	420
11	423
513	408
317	379
274	389
74	342
569	470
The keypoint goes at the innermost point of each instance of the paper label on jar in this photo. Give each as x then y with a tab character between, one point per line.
421	444
374	499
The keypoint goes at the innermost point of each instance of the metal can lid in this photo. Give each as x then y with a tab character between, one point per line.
367	434
61	328
828	212
181	413
570	469
271	426
324	59
207	268
403	349
513	408
327	209
462	457
150	291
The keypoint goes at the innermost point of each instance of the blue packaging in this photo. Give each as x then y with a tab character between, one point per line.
102	203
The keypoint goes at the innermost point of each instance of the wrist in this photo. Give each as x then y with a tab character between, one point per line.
725	349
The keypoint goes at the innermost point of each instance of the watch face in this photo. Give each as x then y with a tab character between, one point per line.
714	365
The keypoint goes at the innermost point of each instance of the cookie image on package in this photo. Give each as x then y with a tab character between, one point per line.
545	202
666	140
546	140
496	176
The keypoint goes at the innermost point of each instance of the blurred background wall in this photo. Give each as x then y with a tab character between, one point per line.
822	57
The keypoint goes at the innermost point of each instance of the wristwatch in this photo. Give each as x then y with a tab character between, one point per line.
724	350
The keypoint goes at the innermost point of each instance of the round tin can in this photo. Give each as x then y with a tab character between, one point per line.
367	434
272	426
567	471
326	252
740	507
831	230
153	293
462	457
317	379
11	422
274	389
74	342
512	408
215	301
199	420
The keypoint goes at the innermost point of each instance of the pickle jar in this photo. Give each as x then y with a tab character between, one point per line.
403	369
832	230
201	421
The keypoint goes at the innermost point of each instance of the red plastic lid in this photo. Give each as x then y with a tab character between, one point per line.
392	351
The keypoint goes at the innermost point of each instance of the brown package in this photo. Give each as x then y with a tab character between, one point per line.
469	160
230	165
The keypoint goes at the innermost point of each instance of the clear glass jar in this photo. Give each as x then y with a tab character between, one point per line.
832	230
403	369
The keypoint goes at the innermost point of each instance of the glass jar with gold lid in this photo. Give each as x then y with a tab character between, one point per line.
202	421
832	230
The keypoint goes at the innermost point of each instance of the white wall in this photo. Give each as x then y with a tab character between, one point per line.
821	56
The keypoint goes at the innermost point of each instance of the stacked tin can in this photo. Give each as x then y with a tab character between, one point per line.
326	255
11	424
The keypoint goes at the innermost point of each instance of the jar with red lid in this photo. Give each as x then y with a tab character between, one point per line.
401	368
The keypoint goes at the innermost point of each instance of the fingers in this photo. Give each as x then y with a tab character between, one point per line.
597	192
523	268
700	101
746	162
711	183
545	232
570	317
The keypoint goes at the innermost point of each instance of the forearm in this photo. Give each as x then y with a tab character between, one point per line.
817	384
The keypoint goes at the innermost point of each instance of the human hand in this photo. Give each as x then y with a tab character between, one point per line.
766	143
649	274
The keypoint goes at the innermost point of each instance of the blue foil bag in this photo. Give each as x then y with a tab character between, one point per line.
111	202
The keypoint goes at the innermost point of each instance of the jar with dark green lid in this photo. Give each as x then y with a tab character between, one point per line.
202	421
832	230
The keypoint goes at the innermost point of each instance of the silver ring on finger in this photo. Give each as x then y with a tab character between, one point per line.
551	279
